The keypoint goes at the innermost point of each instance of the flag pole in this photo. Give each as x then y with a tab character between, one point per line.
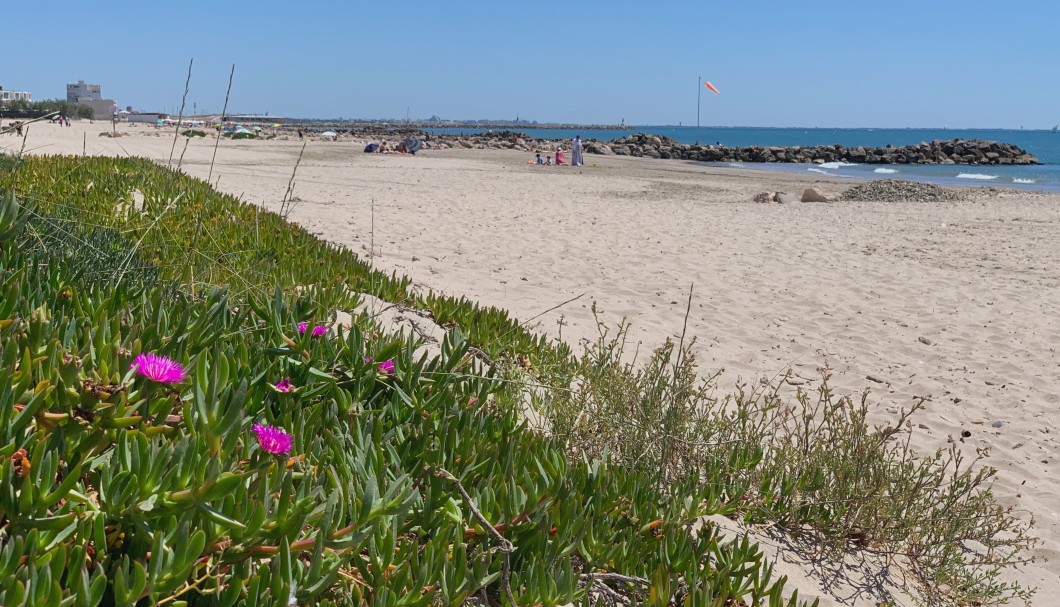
699	95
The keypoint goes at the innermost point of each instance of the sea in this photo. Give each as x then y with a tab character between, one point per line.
1044	144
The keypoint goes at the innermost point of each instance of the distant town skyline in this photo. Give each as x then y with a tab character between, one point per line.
903	64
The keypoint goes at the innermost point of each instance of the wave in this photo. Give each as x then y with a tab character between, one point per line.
836	165
887	171
814	170
735	165
1018	180
976	176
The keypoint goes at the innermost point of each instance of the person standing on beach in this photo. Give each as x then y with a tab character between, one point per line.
576	152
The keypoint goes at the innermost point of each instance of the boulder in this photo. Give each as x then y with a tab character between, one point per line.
812	195
785	198
763	197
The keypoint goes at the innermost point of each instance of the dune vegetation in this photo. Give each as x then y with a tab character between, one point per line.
185	419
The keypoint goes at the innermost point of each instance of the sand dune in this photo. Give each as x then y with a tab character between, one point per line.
956	300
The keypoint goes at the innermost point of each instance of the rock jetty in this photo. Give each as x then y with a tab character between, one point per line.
955	151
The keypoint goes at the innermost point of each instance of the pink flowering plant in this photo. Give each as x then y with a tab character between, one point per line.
273	440
315	331
159	369
284	385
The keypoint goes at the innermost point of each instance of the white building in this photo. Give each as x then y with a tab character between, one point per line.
76	93
147	117
14	95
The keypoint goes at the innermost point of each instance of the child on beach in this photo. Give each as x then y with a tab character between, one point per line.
548	160
538	159
560	160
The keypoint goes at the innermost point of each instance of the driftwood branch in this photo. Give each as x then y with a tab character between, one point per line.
596	582
503	544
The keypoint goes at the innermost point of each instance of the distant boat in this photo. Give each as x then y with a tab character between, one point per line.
1055	126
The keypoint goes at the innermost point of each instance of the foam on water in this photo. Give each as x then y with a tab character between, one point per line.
885	171
1018	180
815	170
976	176
836	165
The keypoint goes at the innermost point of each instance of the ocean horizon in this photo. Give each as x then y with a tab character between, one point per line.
1042	143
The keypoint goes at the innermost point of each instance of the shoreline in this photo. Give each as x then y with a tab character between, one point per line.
847	287
862	177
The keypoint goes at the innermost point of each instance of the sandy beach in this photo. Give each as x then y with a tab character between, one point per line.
959	301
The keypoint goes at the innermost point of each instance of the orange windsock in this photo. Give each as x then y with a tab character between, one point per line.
711	87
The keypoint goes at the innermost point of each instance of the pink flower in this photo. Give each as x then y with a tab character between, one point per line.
273	440
318	330
386	367
159	368
284	385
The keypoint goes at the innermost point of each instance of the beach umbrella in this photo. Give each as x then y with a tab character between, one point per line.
257	128
243	131
329	134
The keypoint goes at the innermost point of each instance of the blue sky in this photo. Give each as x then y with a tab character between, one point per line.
777	63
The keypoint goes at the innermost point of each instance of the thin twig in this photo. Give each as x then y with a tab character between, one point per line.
11	129
504	545
180	162
684	331
555	307
288	195
198	221
596	581
223	112
609	593
180	115
615	577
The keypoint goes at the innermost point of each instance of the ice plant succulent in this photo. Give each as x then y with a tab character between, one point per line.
159	368
273	440
386	367
284	385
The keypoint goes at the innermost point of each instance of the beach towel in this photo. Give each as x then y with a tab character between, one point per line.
371	148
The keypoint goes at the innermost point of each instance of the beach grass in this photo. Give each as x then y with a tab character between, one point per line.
812	465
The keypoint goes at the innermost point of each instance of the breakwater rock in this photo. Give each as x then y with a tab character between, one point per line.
955	151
